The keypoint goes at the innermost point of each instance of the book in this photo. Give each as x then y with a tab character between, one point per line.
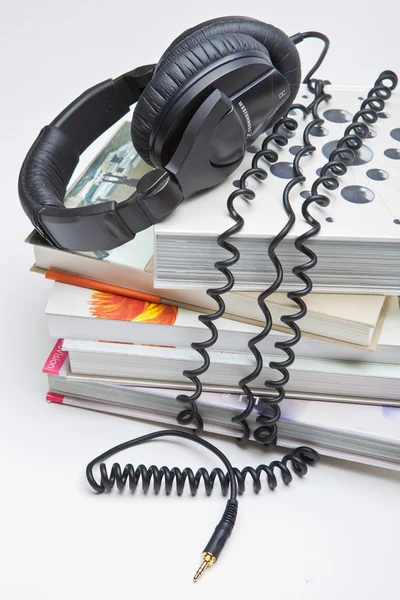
387	350
113	175
75	361
76	312
370	432
358	244
307	375
124	410
355	319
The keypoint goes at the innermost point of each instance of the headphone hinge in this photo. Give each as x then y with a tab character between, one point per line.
192	163
131	85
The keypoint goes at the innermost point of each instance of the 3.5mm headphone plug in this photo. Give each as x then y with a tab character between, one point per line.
219	538
208	560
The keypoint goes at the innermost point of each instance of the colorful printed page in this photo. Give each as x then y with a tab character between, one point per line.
70	300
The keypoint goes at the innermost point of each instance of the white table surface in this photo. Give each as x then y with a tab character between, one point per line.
334	534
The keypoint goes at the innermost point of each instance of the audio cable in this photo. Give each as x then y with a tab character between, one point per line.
340	157
190	414
232	481
344	153
300	37
267	432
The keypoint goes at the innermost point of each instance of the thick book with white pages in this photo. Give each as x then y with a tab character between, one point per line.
369	432
85	354
358	245
62	361
359	455
113	174
308	375
76	312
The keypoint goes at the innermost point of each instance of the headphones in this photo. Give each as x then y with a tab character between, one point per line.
216	88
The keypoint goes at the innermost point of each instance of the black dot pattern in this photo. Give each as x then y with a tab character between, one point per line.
283	170
318	131
337	116
377	174
358	194
295	149
393	153
395	134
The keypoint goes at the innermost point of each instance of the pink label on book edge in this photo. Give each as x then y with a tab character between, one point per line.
52	397
56	360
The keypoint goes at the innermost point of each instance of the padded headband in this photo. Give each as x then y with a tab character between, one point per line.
54	155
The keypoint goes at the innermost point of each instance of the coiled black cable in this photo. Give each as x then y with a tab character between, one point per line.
154	476
267	432
190	415
232	481
336	166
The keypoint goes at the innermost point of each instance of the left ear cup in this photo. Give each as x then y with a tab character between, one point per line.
175	71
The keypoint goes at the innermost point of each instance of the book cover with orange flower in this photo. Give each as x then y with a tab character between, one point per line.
82	313
104	305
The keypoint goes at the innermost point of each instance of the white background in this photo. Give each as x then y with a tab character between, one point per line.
334	534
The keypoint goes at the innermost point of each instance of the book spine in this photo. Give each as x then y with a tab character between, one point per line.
57	398
57	362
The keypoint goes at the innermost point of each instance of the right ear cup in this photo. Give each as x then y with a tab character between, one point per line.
197	49
283	52
176	70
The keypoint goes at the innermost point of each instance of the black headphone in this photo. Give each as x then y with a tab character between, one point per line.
216	88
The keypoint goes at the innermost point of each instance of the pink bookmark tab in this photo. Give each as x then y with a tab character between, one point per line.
57	362
52	397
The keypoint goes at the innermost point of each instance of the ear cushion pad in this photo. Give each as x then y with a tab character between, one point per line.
281	49
174	71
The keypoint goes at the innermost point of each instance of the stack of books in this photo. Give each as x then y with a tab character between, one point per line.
123	320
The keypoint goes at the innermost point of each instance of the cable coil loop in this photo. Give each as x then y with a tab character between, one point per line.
157	477
267	432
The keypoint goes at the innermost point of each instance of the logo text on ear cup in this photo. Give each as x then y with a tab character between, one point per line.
282	94
247	117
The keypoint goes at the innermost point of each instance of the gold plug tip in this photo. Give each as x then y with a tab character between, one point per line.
208	560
